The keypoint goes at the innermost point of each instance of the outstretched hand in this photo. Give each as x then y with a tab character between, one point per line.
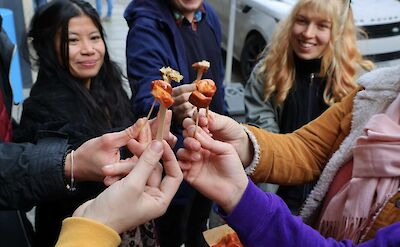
224	129
133	200
181	107
213	168
100	158
94	154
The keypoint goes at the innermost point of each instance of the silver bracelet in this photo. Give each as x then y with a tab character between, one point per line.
71	187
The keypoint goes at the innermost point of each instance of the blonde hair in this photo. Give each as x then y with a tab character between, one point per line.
340	61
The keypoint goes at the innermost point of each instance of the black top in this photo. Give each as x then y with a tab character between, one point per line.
304	103
54	106
305	99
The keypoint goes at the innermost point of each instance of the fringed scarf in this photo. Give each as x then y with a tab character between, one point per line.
375	177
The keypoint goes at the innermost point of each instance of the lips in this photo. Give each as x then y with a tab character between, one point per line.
88	63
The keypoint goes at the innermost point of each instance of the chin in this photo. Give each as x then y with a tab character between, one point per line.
306	56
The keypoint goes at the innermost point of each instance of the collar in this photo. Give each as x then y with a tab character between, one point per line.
307	66
198	16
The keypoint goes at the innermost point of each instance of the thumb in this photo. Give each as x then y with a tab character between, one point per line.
121	138
146	163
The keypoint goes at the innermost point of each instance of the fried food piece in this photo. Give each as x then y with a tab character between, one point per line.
161	91
169	74
229	240
206	87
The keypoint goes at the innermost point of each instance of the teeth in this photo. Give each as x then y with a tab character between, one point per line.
306	44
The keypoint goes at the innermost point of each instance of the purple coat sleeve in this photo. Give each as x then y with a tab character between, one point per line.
261	218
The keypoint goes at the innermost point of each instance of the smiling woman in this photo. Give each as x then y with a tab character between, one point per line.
311	63
78	93
86	49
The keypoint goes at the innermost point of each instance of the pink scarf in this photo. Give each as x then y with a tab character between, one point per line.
375	178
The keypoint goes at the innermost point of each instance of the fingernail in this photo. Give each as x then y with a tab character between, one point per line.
156	146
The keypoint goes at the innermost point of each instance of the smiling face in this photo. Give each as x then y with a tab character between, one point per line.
86	48
311	34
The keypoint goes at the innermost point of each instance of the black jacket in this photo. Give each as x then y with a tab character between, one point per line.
28	173
55	106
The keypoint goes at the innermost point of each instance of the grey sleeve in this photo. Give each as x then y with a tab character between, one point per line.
259	113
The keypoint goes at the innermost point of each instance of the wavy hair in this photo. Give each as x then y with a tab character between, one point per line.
340	62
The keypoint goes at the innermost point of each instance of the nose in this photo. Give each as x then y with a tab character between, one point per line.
87	48
309	31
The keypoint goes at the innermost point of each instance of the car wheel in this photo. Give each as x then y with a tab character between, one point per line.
253	46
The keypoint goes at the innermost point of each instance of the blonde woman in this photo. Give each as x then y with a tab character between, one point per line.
311	63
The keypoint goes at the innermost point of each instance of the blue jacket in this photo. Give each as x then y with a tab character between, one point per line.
263	219
154	41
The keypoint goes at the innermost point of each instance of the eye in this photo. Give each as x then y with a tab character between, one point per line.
95	37
301	20
72	40
324	26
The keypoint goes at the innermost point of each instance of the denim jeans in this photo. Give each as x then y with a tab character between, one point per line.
99	4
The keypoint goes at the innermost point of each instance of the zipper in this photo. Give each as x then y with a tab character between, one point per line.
312	76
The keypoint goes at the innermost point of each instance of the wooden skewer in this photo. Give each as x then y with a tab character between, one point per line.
151	109
160	130
199	75
148	116
197	121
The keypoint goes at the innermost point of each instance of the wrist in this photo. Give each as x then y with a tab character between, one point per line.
234	200
246	152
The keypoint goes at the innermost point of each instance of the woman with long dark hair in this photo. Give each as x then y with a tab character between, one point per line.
78	92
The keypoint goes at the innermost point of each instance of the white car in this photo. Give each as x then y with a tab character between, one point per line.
257	19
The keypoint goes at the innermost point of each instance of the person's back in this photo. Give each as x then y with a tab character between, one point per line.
175	34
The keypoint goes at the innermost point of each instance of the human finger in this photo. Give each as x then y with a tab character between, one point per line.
122	168
208	142
146	163
173	174
155	177
184	108
185	88
136	147
109	180
154	123
187	155
171	140
144	135
133	131
181	98
192	144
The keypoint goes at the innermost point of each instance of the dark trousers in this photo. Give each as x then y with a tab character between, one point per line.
185	223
